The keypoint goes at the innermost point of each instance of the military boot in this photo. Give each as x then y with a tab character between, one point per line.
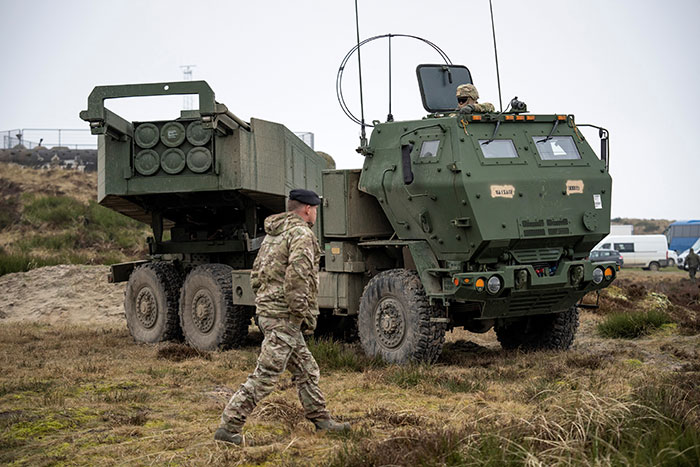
222	434
329	424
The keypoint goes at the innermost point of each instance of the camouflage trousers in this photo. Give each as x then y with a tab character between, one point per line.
283	347
691	272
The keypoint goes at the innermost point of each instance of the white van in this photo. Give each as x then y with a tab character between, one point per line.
646	251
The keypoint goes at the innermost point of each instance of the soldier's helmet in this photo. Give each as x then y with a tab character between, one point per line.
467	90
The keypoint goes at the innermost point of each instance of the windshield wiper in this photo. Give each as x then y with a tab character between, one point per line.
495	131
549	136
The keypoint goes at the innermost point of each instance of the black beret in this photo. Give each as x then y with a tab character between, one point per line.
305	196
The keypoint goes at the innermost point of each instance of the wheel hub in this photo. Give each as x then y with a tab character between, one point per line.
390	323
146	308
203	311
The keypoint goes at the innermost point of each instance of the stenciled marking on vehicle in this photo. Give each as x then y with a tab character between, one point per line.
574	187
502	191
597	201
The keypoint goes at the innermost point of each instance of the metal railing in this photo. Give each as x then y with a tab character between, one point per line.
75	138
30	138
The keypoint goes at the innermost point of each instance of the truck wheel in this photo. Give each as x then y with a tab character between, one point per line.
541	332
208	317
151	303
653	266
394	319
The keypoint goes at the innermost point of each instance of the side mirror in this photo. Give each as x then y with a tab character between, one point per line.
604	146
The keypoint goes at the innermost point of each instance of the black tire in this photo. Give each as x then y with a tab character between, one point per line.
394	319
671	262
151	303
208	317
554	331
654	266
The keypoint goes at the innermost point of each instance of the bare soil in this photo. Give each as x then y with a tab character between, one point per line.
64	294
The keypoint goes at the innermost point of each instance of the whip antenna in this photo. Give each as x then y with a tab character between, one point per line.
495	51
363	135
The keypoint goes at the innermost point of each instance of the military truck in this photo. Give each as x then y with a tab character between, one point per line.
478	221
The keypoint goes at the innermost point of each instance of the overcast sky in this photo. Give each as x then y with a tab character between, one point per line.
629	66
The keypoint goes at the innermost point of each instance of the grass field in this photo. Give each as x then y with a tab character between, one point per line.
627	393
93	397
50	217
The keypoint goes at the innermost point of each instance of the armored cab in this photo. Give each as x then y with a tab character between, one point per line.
204	182
491	218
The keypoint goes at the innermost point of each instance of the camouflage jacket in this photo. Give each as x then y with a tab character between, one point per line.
285	272
692	260
486	107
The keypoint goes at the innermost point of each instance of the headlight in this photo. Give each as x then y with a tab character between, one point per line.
598	276
494	284
576	275
609	274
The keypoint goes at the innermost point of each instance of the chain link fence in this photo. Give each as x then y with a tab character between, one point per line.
74	138
30	138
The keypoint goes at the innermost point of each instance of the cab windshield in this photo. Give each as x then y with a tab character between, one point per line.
498	148
556	148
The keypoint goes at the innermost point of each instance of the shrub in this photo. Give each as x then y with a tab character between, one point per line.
416	374
10	263
108	219
332	355
632	325
53	210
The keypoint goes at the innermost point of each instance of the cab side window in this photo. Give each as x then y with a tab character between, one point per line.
429	148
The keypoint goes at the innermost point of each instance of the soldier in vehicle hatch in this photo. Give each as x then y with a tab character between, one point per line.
467	100
285	281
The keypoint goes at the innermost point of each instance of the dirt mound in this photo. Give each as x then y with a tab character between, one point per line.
671	292
65	294
679	290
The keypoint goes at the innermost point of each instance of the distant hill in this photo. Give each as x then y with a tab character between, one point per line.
643	226
84	160
50	216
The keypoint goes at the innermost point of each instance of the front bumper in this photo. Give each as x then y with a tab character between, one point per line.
526	290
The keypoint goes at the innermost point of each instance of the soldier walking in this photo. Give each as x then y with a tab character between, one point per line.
285	281
692	260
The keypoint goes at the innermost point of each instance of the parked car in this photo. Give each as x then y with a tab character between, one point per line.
600	256
646	251
672	258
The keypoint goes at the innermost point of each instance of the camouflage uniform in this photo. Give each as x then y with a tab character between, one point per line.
285	282
469	90
693	261
486	107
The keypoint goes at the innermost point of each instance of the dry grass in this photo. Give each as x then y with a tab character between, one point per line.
87	396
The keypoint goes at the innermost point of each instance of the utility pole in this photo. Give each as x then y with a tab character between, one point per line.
187	103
